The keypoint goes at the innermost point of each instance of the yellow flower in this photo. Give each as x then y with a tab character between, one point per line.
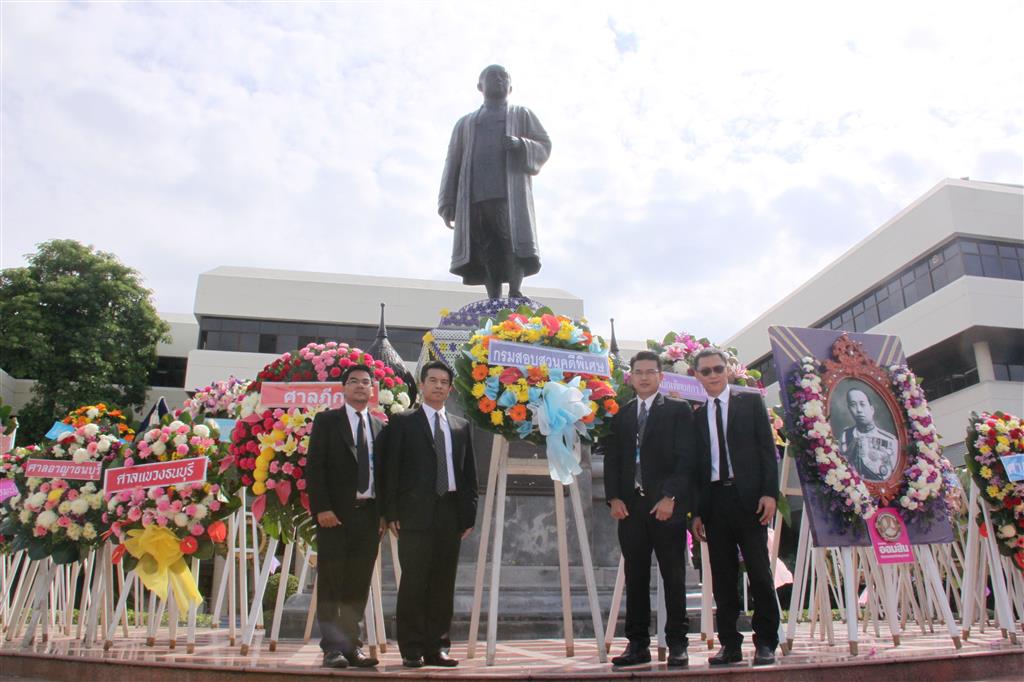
258	488
445	312
993	491
478	390
266	452
260	475
496	370
497	417
276	435
986	473
54	494
479	352
522	391
285	419
427	338
593	407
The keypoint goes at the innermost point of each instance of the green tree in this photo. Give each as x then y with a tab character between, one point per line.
81	324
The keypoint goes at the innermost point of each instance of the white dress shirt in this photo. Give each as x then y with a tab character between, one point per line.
353	422
430	412
713	432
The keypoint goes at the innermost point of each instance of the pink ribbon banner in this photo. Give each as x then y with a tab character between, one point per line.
8	488
889	537
55	468
288	394
176	472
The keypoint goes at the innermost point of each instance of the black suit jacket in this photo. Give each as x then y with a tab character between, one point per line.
667	459
332	469
410	470
748	435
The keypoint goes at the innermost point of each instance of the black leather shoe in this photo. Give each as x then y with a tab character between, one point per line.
635	654
335	659
357	659
764	654
677	656
440	659
416	662
726	655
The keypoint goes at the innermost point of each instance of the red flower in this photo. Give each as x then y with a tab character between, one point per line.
510	376
335	372
217	531
188	545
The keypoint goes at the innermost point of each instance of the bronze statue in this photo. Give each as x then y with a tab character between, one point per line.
487	189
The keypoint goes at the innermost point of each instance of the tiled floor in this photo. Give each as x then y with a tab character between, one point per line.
515	659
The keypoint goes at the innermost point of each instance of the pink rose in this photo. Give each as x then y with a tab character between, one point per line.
197	529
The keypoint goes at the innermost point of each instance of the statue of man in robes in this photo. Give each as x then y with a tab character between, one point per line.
487	189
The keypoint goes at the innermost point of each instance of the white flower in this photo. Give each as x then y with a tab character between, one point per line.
96	500
74	531
92	413
25	516
201	430
822	429
88	531
46	518
181	519
89	487
159	448
680	367
200	512
180	439
403	399
104	444
175	425
80	455
36	500
386	397
812	408
396	408
90	430
64	507
80	506
1007	531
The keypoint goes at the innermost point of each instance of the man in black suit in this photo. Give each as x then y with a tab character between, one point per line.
739	486
647	457
431	506
342	499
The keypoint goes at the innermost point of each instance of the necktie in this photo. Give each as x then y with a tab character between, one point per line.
723	463
362	456
641	423
441	485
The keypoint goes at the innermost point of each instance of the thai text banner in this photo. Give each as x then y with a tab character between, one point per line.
688	388
288	394
176	472
55	468
523	355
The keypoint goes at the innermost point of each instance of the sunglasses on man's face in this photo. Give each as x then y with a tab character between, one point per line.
707	371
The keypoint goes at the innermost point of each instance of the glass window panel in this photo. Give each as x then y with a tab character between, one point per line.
939	276
1008	250
924	286
967	246
935	260
920	270
287	343
987	249
886	309
211	323
858	308
1011	268
955	268
268	343
972	265
882	294
907	277
1016	372
910	296
306	340
1002	372
950	251
870	317
991	267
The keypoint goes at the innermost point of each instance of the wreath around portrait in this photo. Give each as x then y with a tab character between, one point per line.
990	437
917	489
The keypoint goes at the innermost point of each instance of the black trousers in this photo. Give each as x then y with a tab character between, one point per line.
729	528
639	535
345	558
426	594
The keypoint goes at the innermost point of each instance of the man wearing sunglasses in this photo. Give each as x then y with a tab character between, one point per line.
647	461
738	488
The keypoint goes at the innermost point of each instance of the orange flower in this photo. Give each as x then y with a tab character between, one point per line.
486	405
479	372
610	406
589	418
517	413
535	375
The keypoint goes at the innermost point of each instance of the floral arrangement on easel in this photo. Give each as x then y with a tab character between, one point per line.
989	438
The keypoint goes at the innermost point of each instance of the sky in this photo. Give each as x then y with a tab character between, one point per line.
708	158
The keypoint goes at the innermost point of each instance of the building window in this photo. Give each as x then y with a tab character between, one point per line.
766	366
946	367
278	336
1007	349
948	263
169	372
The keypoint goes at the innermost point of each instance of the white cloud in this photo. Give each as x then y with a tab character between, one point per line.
706	160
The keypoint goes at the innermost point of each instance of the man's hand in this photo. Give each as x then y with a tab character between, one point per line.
466	533
327	519
765	510
512	142
394	527
663	510
619	510
383	528
447	214
698	529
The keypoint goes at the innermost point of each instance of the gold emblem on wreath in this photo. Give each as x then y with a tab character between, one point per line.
887	525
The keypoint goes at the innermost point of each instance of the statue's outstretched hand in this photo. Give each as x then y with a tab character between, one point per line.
513	142
447	214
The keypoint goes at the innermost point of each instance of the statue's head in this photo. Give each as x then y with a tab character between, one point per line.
495	83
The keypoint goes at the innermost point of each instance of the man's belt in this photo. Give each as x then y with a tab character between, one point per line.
727	483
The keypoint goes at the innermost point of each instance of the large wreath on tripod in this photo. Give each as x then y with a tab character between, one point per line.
989	438
915	481
536	402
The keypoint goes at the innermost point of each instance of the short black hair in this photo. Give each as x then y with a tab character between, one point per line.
436	364
645	355
494	67
355	368
707	353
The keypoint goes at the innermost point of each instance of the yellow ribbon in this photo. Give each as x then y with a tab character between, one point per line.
161	561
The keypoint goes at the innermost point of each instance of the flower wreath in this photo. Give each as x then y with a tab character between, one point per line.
58	518
111	421
269	445
990	436
537	404
678	354
922	482
12	466
193	512
218	400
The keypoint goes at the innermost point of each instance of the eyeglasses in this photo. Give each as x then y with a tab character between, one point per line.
706	371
